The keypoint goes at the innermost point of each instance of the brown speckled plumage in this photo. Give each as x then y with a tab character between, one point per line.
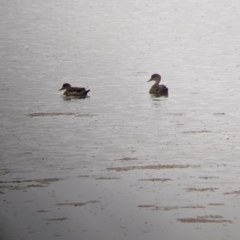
156	88
74	91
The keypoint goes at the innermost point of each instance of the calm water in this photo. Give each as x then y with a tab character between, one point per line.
113	47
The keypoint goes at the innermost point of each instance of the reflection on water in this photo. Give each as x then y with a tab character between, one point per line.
159	97
112	49
69	98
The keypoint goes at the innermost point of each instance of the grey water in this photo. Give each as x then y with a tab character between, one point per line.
113	48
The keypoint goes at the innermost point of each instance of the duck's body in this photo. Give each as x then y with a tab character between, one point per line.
157	89
74	91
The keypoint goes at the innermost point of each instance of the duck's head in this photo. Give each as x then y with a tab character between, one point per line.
155	77
65	86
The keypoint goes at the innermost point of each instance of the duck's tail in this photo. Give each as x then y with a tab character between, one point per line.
86	92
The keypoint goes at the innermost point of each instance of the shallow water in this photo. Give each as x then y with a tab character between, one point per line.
121	164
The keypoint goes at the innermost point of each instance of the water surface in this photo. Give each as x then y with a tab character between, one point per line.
119	164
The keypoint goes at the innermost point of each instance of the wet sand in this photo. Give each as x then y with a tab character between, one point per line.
126	200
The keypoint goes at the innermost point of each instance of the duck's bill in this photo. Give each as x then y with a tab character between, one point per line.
149	80
60	89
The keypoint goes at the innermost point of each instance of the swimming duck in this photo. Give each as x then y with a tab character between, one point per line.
157	89
74	91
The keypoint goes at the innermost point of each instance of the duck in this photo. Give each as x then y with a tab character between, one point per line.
156	89
74	91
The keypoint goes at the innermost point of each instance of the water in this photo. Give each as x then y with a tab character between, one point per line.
83	146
